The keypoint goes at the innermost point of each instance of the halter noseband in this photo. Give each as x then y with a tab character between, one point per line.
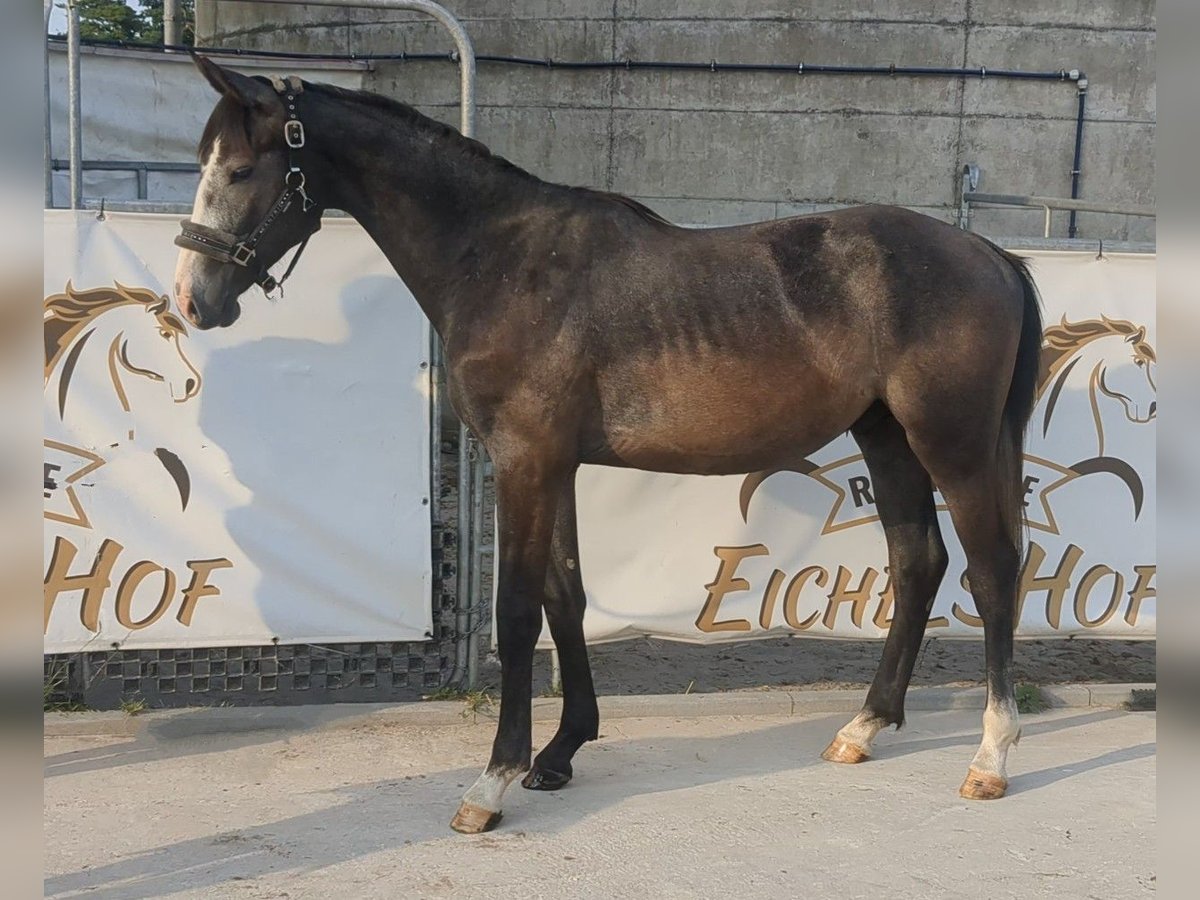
241	250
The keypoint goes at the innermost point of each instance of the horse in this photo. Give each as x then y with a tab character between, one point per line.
1089	351
580	327
141	339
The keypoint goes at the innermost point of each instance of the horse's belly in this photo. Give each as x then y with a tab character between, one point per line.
732	418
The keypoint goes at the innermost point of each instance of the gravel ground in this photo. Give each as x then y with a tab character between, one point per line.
650	666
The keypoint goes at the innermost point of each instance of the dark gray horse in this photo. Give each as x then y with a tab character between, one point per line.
580	327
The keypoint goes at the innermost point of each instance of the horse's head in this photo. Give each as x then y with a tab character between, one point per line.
155	352
1133	386
247	166
141	334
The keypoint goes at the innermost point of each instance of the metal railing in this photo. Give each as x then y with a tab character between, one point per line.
1048	205
969	196
141	169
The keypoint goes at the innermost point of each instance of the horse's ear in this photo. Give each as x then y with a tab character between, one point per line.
249	92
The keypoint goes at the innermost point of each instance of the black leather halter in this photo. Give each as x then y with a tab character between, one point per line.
241	250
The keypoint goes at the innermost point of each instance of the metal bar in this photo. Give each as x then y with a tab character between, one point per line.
74	116
1073	244
1077	164
465	52
126	165
172	22
476	586
463	580
163	207
465	57
49	8
1036	202
1046	223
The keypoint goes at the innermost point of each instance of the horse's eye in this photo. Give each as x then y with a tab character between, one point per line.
242	174
1140	362
166	334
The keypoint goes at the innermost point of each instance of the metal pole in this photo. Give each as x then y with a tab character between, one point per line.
464	666
475	589
74	116
465	52
49	6
172	22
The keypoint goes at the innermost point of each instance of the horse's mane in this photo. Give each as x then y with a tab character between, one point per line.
66	314
476	150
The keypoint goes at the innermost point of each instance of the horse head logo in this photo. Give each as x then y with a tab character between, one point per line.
1093	351
141	339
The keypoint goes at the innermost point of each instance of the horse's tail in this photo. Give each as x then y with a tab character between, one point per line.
1018	406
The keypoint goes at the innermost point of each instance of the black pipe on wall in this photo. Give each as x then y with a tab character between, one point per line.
1077	166
1078	78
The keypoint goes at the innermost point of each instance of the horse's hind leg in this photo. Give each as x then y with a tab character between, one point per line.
916	560
977	484
565	602
993	569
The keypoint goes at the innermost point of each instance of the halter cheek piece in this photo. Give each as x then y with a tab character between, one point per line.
241	249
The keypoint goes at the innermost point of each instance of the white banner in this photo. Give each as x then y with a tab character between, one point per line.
269	481
729	558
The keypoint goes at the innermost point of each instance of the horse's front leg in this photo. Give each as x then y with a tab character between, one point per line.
565	602
527	492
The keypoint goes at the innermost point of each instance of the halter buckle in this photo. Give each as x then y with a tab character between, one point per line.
293	133
242	254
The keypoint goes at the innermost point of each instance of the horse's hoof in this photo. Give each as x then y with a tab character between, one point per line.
541	779
841	751
982	786
474	819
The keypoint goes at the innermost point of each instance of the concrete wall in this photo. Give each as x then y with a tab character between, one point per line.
717	148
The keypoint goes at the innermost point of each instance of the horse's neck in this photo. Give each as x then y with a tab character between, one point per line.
431	202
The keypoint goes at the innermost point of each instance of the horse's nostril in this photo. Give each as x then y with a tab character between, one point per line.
190	385
1153	406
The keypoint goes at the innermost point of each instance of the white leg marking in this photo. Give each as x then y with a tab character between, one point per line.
861	731
488	790
1001	729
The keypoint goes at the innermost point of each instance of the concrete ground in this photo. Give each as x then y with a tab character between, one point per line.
300	804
